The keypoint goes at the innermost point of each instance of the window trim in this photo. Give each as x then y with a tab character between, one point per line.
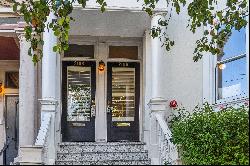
210	76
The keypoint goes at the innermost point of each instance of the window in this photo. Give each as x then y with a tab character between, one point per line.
12	80
127	52
231	69
75	50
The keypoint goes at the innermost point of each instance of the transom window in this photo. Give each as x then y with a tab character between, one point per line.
84	51
231	70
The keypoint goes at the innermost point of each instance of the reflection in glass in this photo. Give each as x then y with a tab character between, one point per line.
236	44
232	78
79	93
123	94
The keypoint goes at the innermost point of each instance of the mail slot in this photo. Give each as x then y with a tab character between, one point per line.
123	124
78	124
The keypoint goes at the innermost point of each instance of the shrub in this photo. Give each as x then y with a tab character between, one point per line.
207	137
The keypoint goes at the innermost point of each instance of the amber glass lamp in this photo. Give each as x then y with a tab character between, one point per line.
101	66
1	87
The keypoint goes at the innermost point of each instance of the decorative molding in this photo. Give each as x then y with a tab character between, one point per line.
6	3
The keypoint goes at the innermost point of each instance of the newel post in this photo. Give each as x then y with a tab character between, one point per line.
157	106
49	107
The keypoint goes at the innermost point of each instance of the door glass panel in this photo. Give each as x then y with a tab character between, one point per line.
123	94
79	93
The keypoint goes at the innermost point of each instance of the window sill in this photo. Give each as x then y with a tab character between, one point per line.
232	102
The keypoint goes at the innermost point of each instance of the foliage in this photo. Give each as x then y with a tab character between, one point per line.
220	23
207	137
35	14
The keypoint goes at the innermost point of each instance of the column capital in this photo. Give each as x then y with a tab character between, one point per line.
162	14
20	31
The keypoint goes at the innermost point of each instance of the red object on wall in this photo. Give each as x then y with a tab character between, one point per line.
173	104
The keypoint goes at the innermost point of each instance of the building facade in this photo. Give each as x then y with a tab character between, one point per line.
112	83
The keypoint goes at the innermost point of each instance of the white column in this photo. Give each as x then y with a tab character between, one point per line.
49	63
50	86
27	94
156	54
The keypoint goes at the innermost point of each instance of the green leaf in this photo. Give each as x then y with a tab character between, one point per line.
55	48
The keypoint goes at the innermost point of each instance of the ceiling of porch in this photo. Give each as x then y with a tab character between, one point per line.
109	23
8	49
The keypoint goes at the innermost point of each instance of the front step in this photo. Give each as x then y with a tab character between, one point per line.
112	153
103	162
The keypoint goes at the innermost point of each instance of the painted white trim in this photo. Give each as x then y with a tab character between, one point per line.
101	53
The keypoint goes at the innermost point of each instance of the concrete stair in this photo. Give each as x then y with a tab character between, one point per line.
112	153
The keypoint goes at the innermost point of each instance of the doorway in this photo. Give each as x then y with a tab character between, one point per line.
101	105
11	128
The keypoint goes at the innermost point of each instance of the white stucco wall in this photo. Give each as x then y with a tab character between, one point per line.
180	78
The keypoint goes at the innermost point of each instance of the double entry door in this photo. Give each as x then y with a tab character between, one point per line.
120	110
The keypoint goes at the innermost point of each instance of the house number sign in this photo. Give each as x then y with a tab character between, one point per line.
123	64
79	63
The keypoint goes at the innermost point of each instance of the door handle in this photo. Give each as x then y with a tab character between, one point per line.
93	111
109	109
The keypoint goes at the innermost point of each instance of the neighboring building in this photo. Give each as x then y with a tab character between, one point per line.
69	98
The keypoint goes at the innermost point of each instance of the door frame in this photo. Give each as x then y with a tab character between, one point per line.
5	116
105	42
65	123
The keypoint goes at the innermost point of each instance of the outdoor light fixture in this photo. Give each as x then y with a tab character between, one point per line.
101	66
222	66
1	87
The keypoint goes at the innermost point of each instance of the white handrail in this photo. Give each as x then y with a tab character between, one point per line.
164	126
167	151
44	137
44	130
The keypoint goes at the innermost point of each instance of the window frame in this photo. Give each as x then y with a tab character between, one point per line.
210	75
232	98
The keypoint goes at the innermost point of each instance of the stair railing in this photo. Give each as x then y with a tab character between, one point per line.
167	151
162	150
44	149
44	137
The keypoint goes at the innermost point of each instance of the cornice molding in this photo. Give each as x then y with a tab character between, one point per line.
6	3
